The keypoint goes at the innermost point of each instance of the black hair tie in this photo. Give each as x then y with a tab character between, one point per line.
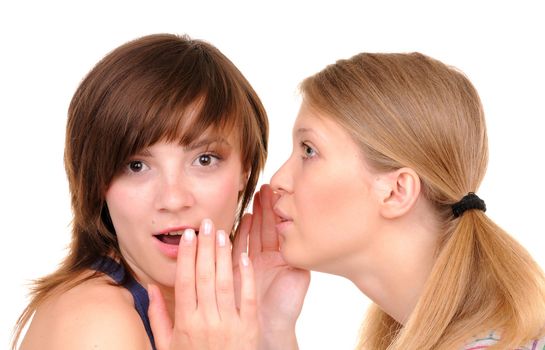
470	201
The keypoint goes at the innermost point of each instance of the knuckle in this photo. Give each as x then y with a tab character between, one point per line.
213	329
250	301
205	277
224	286
186	330
185	333
192	326
185	281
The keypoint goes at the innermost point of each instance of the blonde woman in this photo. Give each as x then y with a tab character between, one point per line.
389	151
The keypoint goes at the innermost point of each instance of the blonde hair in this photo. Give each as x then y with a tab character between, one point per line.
409	110
139	94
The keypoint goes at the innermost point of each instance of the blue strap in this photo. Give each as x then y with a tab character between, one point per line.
140	295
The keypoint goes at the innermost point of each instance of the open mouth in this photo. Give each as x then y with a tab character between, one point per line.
171	238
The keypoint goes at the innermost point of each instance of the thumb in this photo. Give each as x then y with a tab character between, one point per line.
161	325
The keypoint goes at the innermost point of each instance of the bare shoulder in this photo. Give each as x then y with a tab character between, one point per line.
94	315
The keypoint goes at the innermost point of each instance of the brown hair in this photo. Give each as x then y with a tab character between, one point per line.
409	110
158	87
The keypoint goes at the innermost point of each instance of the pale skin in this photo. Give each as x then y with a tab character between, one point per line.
338	215
206	316
268	308
208	295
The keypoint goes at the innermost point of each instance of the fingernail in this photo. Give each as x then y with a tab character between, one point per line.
245	260
207	226
221	238
189	235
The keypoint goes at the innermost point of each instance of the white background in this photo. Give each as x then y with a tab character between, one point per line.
47	48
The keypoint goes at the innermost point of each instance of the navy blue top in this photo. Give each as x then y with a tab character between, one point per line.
140	295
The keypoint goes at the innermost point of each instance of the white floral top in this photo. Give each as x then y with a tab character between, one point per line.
492	338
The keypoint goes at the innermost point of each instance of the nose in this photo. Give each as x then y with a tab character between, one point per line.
281	181
174	193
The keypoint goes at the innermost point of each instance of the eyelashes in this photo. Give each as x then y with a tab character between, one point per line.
136	166
203	161
307	151
207	160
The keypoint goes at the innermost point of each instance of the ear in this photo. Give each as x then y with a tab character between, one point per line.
400	192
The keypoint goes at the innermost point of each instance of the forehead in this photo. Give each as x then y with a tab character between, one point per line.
332	140
314	122
192	126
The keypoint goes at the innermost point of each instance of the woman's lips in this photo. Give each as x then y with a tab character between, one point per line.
168	240
285	220
169	250
283	226
281	214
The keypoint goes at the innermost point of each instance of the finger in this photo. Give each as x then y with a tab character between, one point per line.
184	287
269	236
248	297
240	244
224	277
254	240
206	270
160	322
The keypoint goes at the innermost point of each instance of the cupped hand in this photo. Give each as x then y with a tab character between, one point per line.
281	289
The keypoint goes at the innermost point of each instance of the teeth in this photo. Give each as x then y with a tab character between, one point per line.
175	233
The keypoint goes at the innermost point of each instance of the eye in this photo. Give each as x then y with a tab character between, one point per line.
206	160
136	166
308	152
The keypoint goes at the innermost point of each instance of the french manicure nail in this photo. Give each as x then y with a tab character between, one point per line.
189	235
245	260
221	238
207	226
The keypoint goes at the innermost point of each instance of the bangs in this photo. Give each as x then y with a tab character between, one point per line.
160	87
178	101
185	123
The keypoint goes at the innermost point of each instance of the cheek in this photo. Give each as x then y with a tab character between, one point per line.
219	198
125	204
325	203
333	215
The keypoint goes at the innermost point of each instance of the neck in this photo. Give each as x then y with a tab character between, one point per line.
166	292
393	272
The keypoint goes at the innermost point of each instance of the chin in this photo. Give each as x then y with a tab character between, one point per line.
165	278
296	259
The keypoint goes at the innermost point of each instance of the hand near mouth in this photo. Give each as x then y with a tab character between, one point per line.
206	314
281	288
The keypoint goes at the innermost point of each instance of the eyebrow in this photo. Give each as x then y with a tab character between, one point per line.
195	145
303	131
205	142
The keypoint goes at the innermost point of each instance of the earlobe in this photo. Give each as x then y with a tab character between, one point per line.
402	193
